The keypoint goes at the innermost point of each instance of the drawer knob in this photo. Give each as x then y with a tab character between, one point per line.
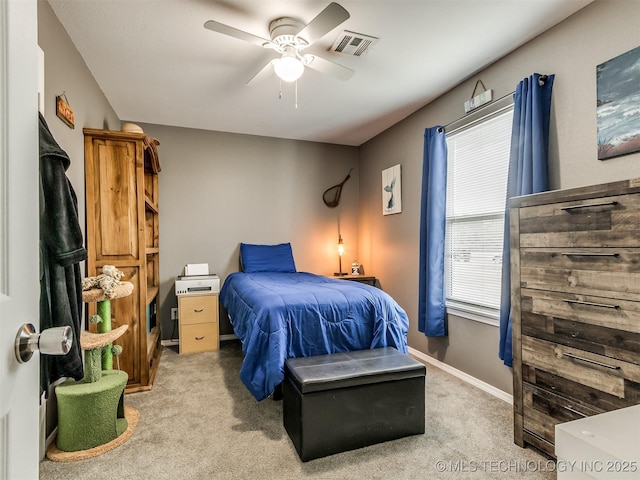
588	360
198	310
200	338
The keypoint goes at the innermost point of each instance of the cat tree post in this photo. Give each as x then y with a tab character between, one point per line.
92	418
104	312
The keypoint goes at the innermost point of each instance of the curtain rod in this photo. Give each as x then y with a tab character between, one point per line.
542	79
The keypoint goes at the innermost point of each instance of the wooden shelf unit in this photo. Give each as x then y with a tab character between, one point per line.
121	176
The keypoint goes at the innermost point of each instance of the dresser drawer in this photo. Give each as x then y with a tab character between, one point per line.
608	272
605	326
599	372
199	338
582	394
198	309
613	313
543	410
598	222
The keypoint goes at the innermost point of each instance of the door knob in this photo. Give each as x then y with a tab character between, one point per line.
52	341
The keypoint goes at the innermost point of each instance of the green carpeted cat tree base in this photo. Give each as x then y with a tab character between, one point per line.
92	418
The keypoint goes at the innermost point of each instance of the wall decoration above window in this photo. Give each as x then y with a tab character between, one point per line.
391	191
618	113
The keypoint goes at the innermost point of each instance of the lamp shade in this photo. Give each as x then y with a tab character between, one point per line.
289	67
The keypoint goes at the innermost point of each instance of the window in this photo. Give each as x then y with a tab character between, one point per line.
477	170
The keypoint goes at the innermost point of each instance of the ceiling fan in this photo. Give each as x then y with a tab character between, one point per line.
289	38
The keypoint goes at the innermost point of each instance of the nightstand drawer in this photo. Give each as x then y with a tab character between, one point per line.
199	338
198	309
597	222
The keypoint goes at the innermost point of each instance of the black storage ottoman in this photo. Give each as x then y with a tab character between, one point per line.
343	401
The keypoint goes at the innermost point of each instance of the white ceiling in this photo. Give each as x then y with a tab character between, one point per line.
156	63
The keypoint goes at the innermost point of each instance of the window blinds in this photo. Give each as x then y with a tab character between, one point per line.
477	170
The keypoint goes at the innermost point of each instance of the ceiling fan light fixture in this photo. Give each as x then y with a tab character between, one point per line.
289	68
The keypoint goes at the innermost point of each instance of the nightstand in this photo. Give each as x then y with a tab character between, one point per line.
369	280
198	319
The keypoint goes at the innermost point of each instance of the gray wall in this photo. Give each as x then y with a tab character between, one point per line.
571	50
220	189
65	71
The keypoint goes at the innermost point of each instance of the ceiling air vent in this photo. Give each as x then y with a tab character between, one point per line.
351	43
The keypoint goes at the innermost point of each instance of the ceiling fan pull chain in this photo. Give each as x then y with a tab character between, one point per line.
280	92
296	102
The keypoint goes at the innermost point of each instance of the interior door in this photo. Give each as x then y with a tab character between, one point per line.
19	244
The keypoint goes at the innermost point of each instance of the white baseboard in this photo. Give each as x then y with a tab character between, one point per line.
52	436
496	392
228	336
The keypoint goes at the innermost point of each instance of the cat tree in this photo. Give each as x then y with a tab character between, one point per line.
92	418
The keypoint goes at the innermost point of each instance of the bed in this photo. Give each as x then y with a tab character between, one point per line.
279	313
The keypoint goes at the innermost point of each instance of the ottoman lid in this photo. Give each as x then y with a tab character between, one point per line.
348	369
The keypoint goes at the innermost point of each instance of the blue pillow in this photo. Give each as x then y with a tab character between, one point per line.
267	258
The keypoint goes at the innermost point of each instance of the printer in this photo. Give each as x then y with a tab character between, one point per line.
197	284
197	280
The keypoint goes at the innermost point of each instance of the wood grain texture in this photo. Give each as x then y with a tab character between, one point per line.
122	230
575	306
199	323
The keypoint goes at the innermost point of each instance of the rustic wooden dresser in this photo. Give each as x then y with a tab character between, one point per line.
575	286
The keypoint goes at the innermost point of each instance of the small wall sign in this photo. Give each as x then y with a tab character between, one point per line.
64	111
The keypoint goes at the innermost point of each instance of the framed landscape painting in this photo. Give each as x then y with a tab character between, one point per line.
618	110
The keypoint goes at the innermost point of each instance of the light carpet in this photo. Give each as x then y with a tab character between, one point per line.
200	422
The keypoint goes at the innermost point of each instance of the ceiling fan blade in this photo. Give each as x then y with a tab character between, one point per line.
328	19
264	72
234	32
323	65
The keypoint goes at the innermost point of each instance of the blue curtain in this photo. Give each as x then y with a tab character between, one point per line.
528	173
431	306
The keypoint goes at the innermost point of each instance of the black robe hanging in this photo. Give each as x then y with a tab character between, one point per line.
61	251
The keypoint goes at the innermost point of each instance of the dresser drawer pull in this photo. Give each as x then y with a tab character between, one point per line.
589	205
573	410
200	338
539	437
588	360
591	304
198	310
589	254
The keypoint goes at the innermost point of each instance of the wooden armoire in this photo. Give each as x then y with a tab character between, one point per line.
121	177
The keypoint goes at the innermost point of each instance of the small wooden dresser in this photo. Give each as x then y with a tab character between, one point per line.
575	286
198	317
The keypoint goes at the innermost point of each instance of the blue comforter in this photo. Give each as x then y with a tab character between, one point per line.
284	315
